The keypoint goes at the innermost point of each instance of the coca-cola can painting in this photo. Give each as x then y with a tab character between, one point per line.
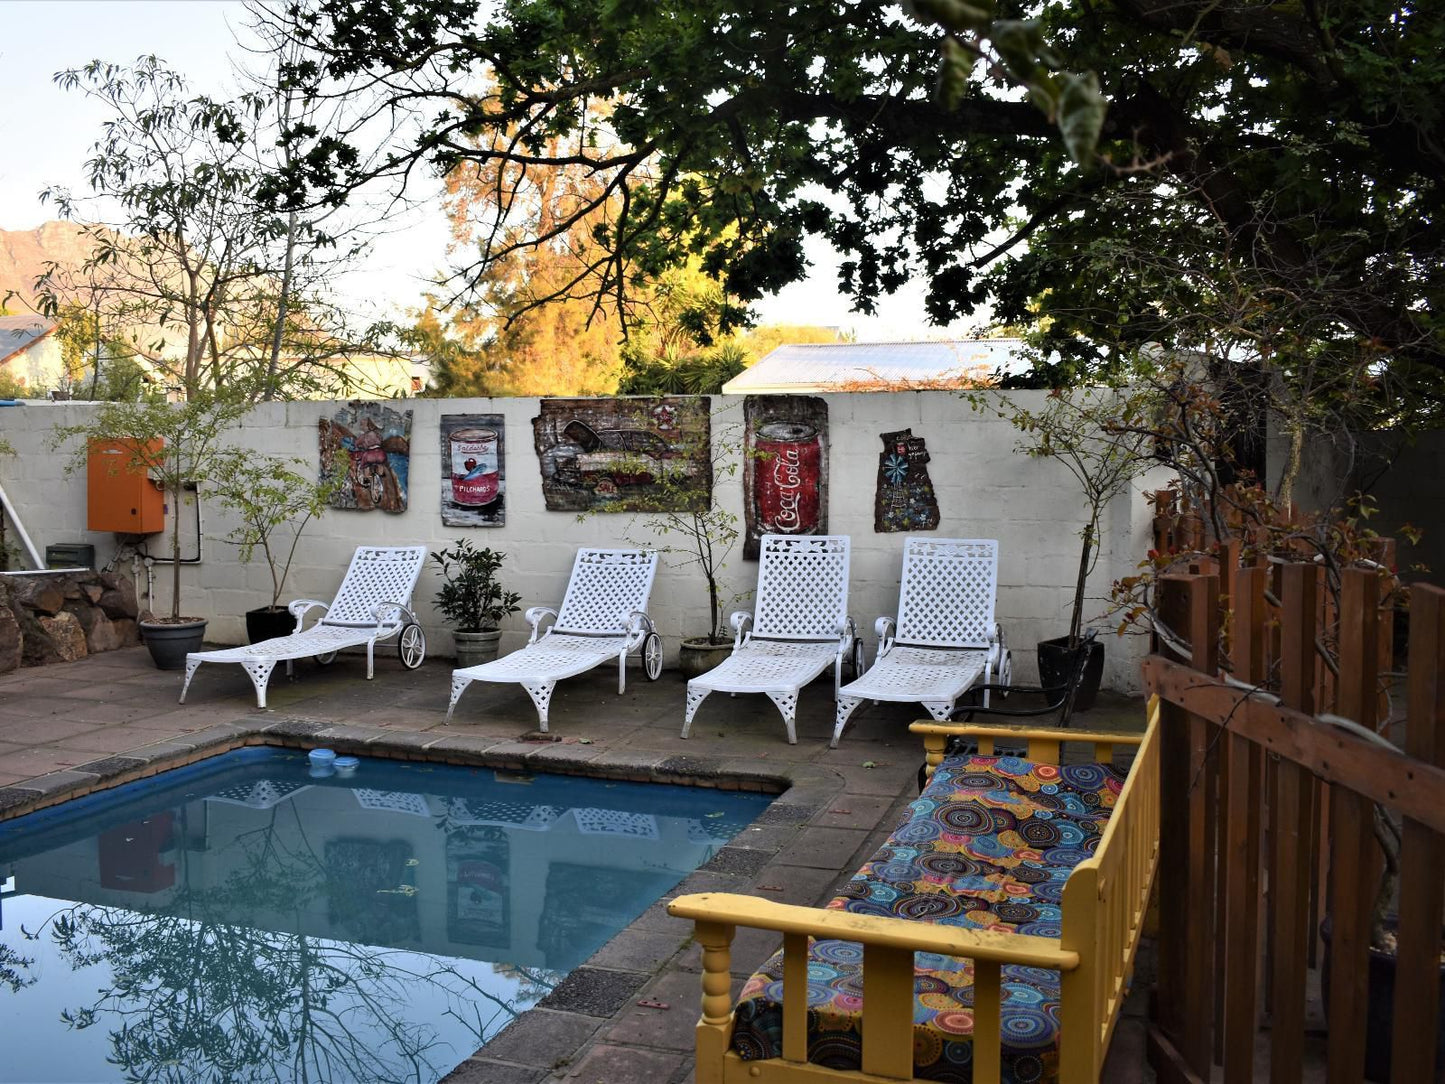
785	483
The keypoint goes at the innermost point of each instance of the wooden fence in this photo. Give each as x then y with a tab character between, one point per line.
1269	821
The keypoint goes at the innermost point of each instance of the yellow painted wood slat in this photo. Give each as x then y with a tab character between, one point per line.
795	997
1012	735
987	1024
899	933
888	1012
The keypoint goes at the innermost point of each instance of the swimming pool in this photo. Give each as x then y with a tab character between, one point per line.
241	919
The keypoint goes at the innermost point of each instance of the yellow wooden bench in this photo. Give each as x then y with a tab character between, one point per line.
1103	906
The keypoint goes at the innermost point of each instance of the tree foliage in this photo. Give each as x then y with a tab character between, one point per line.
1304	141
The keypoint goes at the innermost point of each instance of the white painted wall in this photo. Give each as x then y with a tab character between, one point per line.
985	490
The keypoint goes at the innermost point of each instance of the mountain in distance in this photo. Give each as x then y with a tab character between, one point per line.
24	255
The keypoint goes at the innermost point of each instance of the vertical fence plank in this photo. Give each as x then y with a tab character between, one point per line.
1239	856
1289	876
1352	862
1422	853
1199	902
1172	1007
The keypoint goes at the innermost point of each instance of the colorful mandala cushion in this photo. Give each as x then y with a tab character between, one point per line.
987	845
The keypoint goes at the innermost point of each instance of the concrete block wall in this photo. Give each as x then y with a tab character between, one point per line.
985	490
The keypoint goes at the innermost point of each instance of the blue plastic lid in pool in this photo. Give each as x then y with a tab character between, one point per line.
321	756
346	764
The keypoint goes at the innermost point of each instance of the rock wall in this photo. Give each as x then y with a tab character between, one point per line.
63	616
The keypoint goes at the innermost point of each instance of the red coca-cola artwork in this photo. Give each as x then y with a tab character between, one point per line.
785	480
473	478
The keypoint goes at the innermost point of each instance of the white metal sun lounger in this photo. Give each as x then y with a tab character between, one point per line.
946	639
802	625
373	603
603	617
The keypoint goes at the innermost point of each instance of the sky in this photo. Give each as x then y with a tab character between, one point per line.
46	133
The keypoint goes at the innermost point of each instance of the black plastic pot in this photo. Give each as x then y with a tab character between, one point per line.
1380	1009
268	622
169	644
1054	661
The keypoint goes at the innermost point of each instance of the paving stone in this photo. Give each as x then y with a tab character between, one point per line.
14	798
764	837
486	1071
593	991
638	949
823	848
540	1038
802	885
736	860
785	812
750	948
854	811
672	1028
110	767
295	728
608	1064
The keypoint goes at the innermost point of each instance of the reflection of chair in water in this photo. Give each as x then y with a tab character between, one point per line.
945	639
262	794
373	603
801	626
603	617
392	801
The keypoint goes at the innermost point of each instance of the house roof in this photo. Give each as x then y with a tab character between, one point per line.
19	333
886	366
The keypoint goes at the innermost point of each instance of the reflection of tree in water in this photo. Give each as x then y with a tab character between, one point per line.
195	997
13	968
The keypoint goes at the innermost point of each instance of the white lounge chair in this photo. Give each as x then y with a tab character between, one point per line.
603	617
946	639
373	603
802	625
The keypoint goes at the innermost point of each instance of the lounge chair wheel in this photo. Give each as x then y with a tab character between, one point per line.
411	646
853	664
326	658
652	656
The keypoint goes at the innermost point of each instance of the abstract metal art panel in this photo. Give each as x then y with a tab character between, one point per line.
905	501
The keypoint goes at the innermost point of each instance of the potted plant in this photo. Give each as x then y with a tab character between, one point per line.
274	502
1088	432
175	444
472	600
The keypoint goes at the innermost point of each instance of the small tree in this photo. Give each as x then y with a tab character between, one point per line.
173	443
1085	431
701	539
274	502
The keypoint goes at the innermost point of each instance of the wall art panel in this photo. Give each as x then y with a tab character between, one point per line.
785	467
643	454
474	477
368	447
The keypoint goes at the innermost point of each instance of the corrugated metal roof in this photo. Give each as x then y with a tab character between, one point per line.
19	332
887	366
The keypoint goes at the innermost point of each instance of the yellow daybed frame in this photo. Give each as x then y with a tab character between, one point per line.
1104	903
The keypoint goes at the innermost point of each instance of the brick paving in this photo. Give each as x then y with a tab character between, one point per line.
68	729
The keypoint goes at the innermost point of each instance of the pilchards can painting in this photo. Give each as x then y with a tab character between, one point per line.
473	470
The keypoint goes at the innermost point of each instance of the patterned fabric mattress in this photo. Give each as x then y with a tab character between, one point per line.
987	845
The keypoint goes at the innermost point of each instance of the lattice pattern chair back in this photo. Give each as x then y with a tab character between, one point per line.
948	592
802	587
606	586
377	574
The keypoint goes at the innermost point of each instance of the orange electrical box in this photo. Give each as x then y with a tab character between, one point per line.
119	494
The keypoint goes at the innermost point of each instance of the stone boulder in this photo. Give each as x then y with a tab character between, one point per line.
10	640
60	617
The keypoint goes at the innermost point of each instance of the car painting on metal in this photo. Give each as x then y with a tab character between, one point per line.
473	465
644	454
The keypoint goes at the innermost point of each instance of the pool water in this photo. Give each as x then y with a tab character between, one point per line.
247	919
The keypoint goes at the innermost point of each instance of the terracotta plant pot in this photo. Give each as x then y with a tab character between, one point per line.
697	656
475	648
169	644
267	623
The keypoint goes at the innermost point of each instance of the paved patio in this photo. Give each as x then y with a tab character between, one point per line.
69	729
